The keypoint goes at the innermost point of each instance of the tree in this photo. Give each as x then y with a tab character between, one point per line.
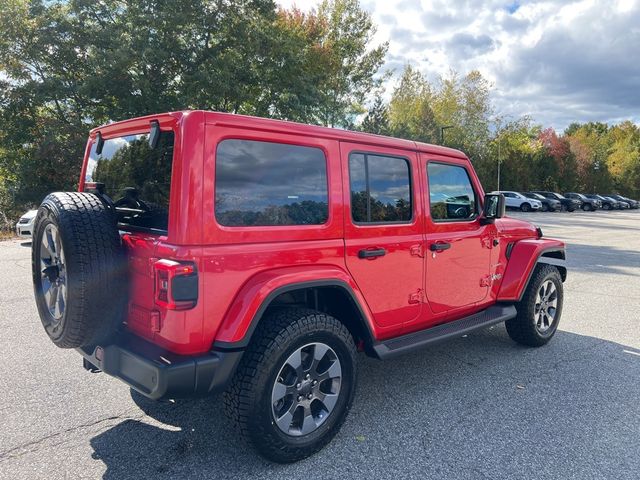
349	66
410	112
66	66
377	118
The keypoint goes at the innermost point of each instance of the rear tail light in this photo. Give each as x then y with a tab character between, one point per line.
176	284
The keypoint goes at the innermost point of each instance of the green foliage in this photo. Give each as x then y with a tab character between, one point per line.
377	119
67	66
591	157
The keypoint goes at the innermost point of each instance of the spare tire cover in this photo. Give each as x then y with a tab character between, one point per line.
79	269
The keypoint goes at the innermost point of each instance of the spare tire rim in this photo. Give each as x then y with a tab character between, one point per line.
306	389
53	278
546	306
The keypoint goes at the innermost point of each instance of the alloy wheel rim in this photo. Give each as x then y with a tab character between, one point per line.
53	274
546	306
306	389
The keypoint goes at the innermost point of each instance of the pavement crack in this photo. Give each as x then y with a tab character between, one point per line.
34	445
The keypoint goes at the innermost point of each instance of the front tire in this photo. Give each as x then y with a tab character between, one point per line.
295	384
539	310
586	207
525	207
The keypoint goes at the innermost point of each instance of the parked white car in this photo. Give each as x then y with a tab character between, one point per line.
24	227
519	201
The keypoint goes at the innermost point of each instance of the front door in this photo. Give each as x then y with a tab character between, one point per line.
383	230
458	257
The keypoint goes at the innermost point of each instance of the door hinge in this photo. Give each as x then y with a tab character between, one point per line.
415	297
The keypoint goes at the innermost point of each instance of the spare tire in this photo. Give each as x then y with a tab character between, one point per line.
79	269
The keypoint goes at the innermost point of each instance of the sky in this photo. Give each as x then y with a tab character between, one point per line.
556	61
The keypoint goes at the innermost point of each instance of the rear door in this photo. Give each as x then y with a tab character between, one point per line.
383	231
458	260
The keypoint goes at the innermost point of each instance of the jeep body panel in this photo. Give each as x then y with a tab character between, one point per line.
242	269
247	309
523	258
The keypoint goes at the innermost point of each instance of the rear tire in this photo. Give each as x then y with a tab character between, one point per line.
539	310
78	268
267	398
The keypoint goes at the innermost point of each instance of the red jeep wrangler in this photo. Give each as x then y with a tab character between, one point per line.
210	252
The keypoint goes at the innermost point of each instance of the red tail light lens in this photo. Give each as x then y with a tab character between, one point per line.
176	284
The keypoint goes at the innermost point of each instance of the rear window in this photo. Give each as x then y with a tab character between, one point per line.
136	177
263	183
380	189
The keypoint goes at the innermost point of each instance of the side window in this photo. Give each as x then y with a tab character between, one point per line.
451	195
380	188
264	183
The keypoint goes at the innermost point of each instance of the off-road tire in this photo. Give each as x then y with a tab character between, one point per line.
525	207
95	269
522	328
247	400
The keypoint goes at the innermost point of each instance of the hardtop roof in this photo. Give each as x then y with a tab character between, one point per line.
284	126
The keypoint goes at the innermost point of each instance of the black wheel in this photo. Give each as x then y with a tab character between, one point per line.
295	384
571	209
545	207
539	310
78	269
525	207
587	207
606	206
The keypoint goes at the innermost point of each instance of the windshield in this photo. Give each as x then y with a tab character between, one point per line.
558	196
536	195
136	177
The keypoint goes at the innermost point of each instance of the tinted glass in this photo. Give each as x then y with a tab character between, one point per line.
380	188
263	183
136	177
450	192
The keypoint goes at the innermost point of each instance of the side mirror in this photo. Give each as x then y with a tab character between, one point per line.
494	207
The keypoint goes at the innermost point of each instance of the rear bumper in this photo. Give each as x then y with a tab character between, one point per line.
159	374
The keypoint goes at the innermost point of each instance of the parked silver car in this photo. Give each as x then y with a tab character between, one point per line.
519	201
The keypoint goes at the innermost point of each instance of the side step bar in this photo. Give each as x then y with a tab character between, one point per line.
413	341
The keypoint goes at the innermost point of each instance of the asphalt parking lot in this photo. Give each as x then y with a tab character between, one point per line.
478	407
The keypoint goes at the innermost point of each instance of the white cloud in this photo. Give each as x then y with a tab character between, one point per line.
556	60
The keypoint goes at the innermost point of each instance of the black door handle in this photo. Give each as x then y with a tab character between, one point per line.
439	247
378	252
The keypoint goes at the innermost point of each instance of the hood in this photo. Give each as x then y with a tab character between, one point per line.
515	229
30	214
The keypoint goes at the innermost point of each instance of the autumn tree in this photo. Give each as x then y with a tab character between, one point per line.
66	66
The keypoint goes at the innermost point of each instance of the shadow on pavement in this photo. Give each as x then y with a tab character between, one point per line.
602	259
477	407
